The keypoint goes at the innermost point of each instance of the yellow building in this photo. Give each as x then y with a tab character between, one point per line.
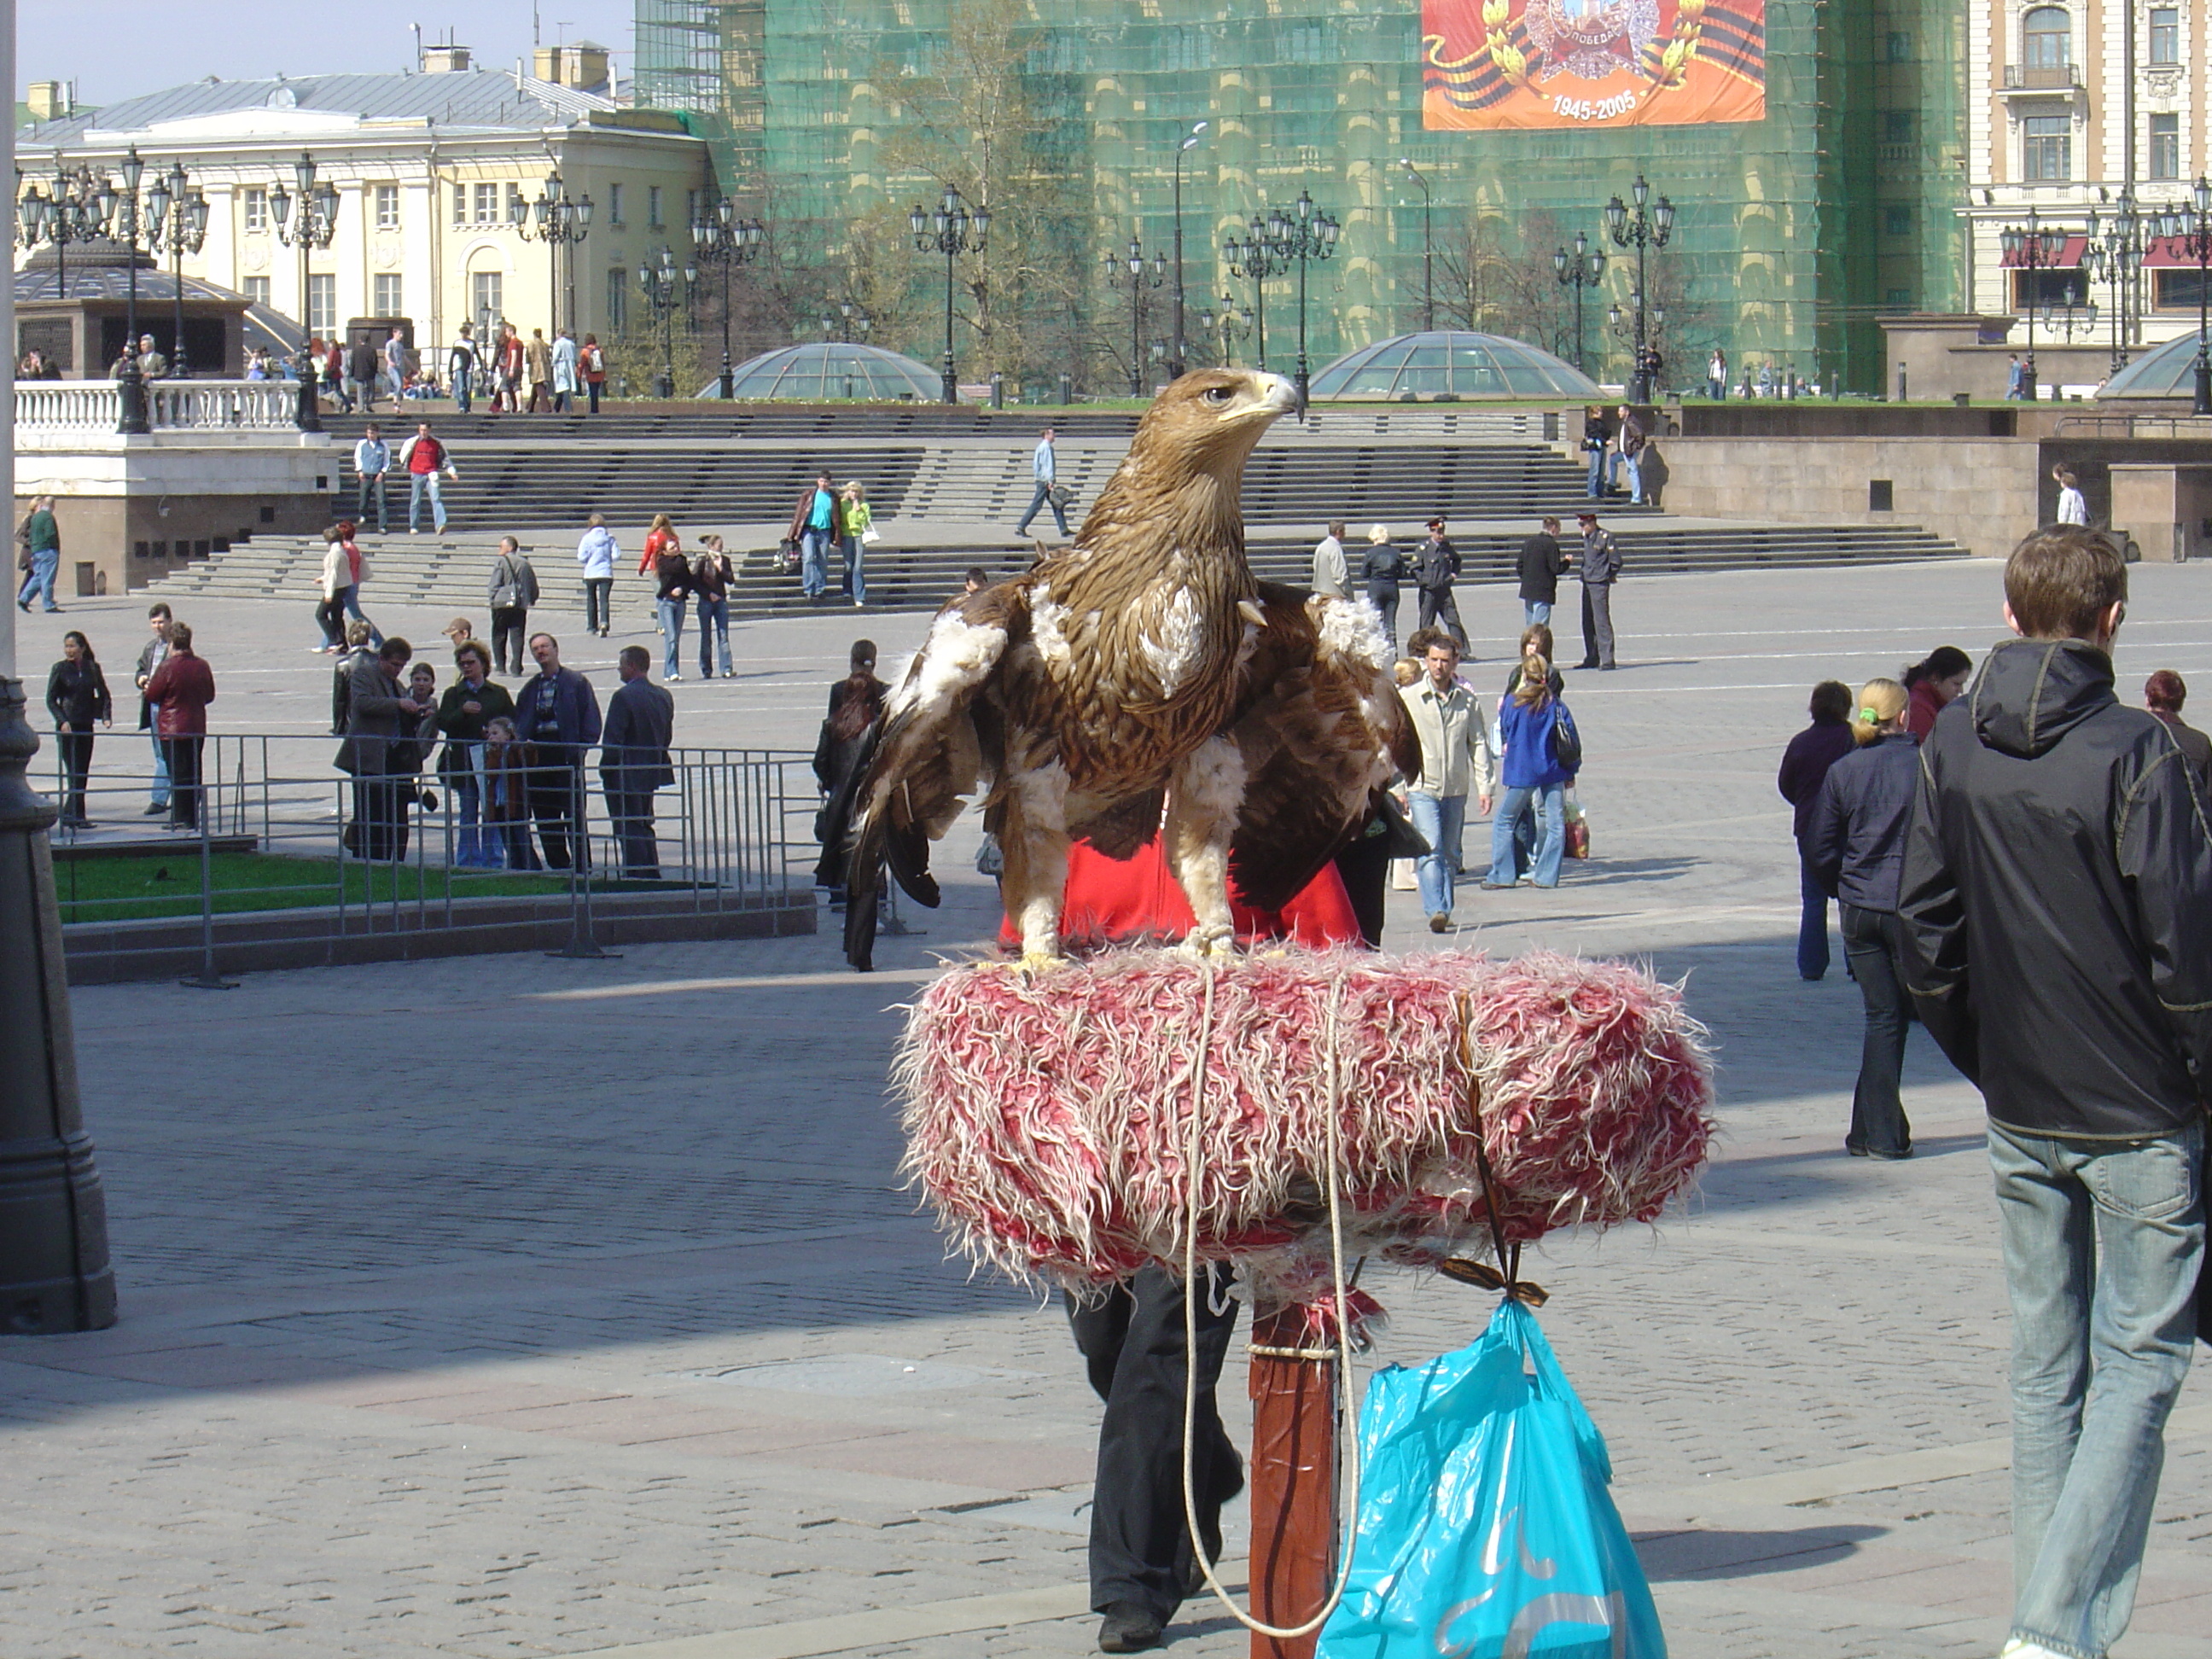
430	171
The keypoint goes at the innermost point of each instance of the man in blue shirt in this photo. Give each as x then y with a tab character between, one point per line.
557	713
817	523
1042	468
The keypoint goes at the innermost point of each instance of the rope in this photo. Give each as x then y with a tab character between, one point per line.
1349	1446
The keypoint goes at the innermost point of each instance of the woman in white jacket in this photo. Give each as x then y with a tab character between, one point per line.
345	568
597	553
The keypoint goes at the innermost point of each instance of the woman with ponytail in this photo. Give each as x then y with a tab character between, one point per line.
1856	849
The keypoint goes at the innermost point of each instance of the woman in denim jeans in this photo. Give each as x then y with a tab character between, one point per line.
711	576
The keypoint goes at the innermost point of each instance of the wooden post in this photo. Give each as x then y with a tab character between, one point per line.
1293	1483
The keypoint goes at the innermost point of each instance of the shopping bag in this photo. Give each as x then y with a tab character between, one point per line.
1579	833
1485	1528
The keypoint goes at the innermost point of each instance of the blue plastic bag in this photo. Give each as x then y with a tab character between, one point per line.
1484	1527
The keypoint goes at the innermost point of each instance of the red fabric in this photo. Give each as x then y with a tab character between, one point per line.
428	455
655	540
180	691
1115	901
1921	712
2069	257
353	562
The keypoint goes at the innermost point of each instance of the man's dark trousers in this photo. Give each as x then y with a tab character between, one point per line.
510	625
556	801
372	493
1437	604
1132	1343
632	812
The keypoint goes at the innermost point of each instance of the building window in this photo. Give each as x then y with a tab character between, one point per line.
652	206
257	290
486	296
2046	149
322	305
1901	46
2047	39
1897	126
388	207
2166	146
1898	297
517	209
617	300
2180	290
614	205
2047	290
1896	219
2166	36
389	303
487	204
256	211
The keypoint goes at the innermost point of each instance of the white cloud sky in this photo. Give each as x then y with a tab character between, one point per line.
115	49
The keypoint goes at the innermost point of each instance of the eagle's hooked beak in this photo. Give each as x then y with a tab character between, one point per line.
1279	394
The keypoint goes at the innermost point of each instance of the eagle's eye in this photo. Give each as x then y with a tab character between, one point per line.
1220	394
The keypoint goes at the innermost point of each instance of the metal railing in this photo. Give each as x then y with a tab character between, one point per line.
2042	77
171	405
2135	426
273	841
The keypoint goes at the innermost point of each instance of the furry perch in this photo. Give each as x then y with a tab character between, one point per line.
1048	1117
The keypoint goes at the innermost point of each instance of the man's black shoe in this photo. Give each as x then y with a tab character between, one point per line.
1129	1627
1587	662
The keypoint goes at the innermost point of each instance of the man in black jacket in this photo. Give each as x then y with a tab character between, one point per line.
634	760
1436	568
1541	562
2057	909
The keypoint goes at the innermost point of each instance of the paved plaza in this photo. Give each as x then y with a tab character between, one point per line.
507	1306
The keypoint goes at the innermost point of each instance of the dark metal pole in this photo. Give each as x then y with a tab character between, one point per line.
2204	401
177	365
729	374
1428	261
1639	380
54	1270
1303	377
951	378
1174	360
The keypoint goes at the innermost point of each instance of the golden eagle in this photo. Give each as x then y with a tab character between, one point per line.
1142	670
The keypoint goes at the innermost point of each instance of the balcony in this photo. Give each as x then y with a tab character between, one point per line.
2064	78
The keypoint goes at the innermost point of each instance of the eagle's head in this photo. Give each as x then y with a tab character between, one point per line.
1208	421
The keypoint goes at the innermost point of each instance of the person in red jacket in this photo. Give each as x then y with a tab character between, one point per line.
180	693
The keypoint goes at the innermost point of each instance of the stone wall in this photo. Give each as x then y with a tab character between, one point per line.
1982	493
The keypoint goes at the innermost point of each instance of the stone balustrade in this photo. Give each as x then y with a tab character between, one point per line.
95	406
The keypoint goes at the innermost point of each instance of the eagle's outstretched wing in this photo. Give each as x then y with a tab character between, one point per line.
926	756
1320	729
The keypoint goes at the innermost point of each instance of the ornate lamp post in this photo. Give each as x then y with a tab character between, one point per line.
1229	325
2187	229
1577	270
2116	253
1137	282
1256	259
1311	236
180	219
1641	231
1178	353
124	216
1428	246
73	213
558	221
1628	326
305	222
2032	248
656	279
720	238
953	232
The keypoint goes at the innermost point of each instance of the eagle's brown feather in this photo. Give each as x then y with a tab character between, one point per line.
1120	676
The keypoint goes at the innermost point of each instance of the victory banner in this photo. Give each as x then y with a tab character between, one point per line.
1530	63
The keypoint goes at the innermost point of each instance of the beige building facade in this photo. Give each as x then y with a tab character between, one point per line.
2076	106
430	170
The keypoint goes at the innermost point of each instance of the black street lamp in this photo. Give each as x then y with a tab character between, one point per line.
721	239
1229	325
180	220
1137	282
954	231
2032	248
1179	352
2116	253
2059	319
1428	245
124	214
1577	270
1303	234
73	213
1643	231
306	221
2186	229
1627	325
559	222
657	281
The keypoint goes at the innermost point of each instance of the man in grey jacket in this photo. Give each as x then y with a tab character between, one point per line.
378	713
633	759
512	590
1600	569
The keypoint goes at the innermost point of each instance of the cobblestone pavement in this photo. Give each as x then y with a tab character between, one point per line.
510	1305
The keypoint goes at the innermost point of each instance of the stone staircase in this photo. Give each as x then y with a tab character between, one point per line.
920	573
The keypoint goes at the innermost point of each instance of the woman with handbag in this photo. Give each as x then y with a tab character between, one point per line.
712	574
77	695
855	702
1541	753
